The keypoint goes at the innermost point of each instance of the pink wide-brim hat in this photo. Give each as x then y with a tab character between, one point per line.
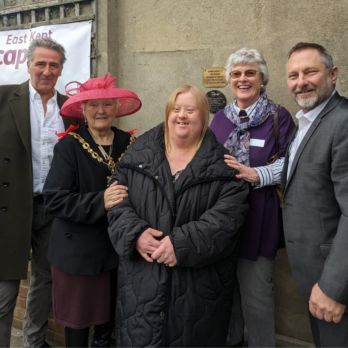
99	88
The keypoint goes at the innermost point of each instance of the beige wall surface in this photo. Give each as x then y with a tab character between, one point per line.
153	46
156	45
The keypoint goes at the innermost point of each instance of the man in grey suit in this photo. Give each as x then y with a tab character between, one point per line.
315	181
29	118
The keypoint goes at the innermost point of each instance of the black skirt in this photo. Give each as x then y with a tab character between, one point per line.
81	301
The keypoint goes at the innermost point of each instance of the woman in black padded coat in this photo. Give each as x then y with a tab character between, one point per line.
176	233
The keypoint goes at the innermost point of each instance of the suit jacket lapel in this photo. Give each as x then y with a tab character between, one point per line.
331	105
60	100
20	108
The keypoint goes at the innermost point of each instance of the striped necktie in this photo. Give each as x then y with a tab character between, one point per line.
244	120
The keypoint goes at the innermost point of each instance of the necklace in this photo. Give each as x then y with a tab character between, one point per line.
107	156
103	152
110	163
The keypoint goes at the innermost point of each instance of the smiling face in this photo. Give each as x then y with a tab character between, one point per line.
100	113
245	82
185	121
309	80
44	70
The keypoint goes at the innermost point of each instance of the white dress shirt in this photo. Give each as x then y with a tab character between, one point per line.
43	137
305	120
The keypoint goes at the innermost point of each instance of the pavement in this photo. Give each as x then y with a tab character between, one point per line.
282	341
16	338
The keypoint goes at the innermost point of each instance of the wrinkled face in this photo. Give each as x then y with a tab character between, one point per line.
245	82
185	119
44	70
309	80
100	113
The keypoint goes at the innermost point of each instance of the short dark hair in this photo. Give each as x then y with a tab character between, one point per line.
324	54
46	43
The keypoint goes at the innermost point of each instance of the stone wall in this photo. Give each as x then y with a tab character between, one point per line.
155	45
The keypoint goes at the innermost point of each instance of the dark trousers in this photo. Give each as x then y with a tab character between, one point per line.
39	296
8	296
330	334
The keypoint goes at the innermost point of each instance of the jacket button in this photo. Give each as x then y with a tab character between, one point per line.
5	184
7	160
162	315
3	209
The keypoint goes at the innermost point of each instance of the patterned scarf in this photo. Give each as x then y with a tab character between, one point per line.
238	142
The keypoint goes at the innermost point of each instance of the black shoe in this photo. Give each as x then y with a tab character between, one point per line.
45	344
239	344
102	336
76	337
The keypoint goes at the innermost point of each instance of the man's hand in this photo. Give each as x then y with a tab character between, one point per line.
324	307
148	242
244	172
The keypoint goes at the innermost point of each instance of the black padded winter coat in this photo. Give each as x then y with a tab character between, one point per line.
202	212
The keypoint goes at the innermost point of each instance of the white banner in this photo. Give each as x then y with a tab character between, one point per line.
74	37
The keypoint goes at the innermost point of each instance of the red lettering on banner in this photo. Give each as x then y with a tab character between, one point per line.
21	57
13	57
10	57
35	35
16	39
17	56
9	39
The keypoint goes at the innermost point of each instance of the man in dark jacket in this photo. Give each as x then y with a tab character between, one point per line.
315	181
29	118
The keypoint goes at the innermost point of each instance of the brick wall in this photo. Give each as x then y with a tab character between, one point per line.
55	334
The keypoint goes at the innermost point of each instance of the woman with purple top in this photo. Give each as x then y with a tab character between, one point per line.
254	130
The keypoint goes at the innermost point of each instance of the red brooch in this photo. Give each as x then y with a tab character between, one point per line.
132	131
71	128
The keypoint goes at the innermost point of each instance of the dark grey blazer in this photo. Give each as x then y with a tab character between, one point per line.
16	180
316	204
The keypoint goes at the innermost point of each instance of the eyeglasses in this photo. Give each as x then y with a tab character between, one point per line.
247	73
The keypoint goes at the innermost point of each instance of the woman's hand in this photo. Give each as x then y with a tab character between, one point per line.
244	172
114	194
148	242
165	253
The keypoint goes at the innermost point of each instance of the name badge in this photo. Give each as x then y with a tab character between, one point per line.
257	142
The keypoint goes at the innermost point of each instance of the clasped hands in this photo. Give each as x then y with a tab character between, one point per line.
324	307
152	247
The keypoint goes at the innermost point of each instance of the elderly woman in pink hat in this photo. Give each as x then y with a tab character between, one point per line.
78	193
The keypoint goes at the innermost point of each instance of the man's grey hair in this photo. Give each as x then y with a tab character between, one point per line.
325	56
246	56
46	43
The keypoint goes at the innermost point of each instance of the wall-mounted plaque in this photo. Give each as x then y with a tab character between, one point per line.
214	78
217	101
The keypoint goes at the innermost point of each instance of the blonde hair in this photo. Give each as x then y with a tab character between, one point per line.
202	104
